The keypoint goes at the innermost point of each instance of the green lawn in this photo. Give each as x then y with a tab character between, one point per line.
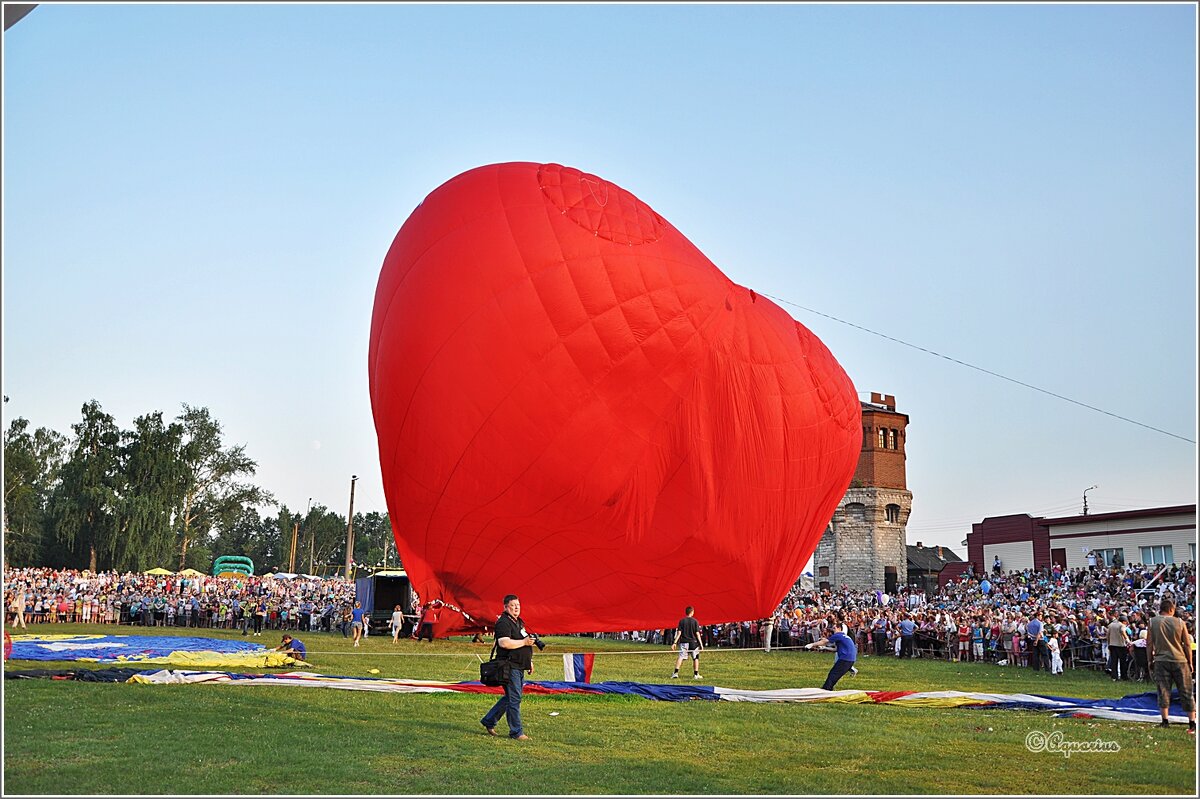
87	738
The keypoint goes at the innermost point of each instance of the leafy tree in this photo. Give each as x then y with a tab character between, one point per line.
83	504
151	493
285	522
251	535
214	495
373	537
108	498
325	533
31	466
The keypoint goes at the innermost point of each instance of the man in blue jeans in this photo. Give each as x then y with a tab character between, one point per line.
514	644
1036	641
907	629
847	653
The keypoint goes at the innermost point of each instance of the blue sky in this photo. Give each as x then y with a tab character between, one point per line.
198	198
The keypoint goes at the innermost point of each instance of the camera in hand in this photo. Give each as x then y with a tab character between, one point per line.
538	641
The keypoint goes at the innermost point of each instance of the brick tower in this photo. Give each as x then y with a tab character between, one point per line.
864	545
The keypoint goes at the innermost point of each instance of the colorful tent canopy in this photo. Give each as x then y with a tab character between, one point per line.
160	572
190	573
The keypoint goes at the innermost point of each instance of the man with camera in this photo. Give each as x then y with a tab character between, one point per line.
515	644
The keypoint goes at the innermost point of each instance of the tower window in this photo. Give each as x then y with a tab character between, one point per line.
856	511
892	438
882	438
823	571
893	513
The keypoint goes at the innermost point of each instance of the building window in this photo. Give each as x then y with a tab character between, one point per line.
823	571
1192	551
893	513
856	511
1110	557
1158	555
892	438
882	438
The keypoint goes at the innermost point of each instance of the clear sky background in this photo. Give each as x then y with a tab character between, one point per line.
197	200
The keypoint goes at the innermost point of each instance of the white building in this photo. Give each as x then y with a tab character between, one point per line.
1152	535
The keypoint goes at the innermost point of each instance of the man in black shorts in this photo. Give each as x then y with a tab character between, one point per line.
687	636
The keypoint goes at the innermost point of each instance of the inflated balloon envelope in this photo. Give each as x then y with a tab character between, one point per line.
575	405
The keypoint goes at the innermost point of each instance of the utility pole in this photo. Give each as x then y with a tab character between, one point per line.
310	537
292	559
350	528
1085	498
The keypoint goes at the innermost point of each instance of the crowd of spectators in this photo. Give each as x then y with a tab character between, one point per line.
252	604
1048	619
1094	617
1085	617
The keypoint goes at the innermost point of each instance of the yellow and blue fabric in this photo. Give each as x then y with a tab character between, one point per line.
150	649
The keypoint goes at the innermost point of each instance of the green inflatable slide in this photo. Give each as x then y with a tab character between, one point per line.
233	566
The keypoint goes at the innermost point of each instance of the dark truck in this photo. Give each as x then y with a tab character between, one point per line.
380	594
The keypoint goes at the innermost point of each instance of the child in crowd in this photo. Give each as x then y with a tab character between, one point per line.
1056	661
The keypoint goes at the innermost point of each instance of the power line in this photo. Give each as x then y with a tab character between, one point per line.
981	369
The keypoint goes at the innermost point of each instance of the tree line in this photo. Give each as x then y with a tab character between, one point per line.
165	492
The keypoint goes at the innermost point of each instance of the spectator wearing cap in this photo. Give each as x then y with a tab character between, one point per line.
293	647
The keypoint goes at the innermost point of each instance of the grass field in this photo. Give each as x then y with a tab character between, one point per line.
88	738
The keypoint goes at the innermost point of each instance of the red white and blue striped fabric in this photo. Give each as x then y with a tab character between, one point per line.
578	668
1137	707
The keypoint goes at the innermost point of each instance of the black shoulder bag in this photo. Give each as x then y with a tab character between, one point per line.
495	672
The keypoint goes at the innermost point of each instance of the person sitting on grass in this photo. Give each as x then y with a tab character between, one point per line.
293	647
847	653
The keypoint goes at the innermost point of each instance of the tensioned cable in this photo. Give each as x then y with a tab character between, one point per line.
981	369
723	650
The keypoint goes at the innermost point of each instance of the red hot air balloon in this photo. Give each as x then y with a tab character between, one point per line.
575	405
